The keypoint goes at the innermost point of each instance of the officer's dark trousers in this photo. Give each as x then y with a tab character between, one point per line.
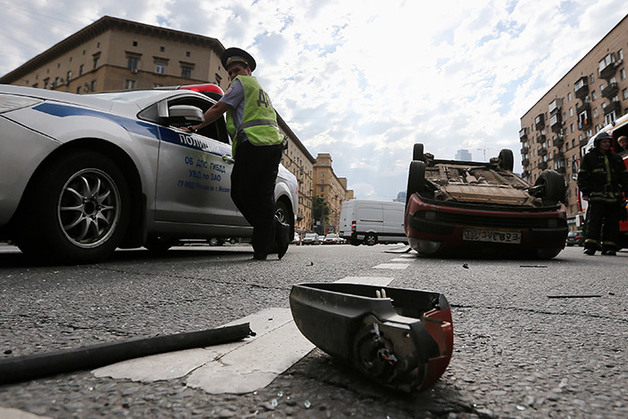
253	190
602	224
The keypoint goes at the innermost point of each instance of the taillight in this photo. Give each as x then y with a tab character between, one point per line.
353	225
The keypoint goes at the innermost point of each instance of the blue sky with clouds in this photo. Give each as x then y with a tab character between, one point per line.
366	80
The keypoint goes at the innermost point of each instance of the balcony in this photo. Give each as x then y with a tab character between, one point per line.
543	152
584	141
556	122
611	90
541	138
542	165
614	106
525	162
607	66
559	141
559	155
555	105
539	121
581	88
586	106
525	149
523	134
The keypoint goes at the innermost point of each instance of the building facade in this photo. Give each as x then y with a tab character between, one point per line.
590	96
116	54
332	188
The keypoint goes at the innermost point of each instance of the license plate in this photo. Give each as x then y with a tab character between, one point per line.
491	236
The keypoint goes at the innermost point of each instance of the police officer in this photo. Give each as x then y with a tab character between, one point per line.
601	178
257	149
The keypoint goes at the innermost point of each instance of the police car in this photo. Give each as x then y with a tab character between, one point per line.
82	175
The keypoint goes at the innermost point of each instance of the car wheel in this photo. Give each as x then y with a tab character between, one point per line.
555	188
156	244
506	160
370	239
418	152
79	210
215	241
547	254
416	178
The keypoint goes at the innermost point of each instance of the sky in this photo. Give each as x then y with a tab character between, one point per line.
365	80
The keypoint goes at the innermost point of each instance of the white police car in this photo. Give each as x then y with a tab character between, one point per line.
81	175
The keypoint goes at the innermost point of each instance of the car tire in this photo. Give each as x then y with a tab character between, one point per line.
547	253
555	188
506	160
79	210
418	152
416	178
370	239
215	241
156	244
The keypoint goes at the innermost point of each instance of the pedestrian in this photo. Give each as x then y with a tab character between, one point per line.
623	144
601	179
257	149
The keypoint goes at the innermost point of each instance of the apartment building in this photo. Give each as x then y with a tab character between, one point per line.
590	96
332	188
117	54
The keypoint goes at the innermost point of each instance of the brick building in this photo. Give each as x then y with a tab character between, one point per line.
590	96
332	188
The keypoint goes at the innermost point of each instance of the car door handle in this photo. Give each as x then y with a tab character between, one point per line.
228	159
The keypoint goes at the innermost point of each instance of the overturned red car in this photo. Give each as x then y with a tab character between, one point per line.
483	208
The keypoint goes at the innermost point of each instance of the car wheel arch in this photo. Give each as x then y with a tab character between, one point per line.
136	233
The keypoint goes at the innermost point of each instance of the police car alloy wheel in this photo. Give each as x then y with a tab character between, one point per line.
79	209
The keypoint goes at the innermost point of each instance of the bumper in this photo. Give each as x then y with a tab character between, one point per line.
433	228
400	338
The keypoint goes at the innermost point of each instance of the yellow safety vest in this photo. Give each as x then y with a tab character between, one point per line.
259	120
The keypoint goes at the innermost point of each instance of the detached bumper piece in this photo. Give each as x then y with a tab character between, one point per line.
400	338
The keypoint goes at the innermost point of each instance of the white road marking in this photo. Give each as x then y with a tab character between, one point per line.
10	413
397	266
238	367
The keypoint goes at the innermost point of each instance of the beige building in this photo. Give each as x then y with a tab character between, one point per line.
116	54
591	95
332	188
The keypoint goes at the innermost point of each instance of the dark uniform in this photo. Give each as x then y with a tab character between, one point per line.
602	177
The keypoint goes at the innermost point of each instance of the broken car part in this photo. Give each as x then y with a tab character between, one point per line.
399	337
44	364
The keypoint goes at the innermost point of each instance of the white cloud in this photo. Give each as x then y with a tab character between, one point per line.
362	81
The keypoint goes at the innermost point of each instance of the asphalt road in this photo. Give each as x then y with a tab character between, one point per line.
532	338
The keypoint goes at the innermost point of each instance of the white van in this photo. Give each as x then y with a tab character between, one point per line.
371	222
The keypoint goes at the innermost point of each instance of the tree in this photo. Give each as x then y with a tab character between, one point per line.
320	210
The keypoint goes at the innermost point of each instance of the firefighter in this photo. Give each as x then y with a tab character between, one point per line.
257	150
601	179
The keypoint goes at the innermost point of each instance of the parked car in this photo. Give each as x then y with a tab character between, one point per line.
297	239
369	222
310	238
483	207
575	238
331	238
81	175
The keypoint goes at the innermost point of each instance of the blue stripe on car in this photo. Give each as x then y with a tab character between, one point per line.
138	127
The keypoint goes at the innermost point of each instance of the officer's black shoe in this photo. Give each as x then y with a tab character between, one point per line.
282	238
589	251
609	252
260	256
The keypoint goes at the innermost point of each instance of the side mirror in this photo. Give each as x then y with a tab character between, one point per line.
179	115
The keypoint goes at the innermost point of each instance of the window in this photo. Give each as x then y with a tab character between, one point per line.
187	53
569	97
624	94
81	69
595	113
95	58
160	67
591	78
134	43
162	49
132	63
622	73
593	95
93	86
620	54
570	111
218	79
186	72
68	77
129	84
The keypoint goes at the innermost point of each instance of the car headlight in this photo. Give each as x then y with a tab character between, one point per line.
12	102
